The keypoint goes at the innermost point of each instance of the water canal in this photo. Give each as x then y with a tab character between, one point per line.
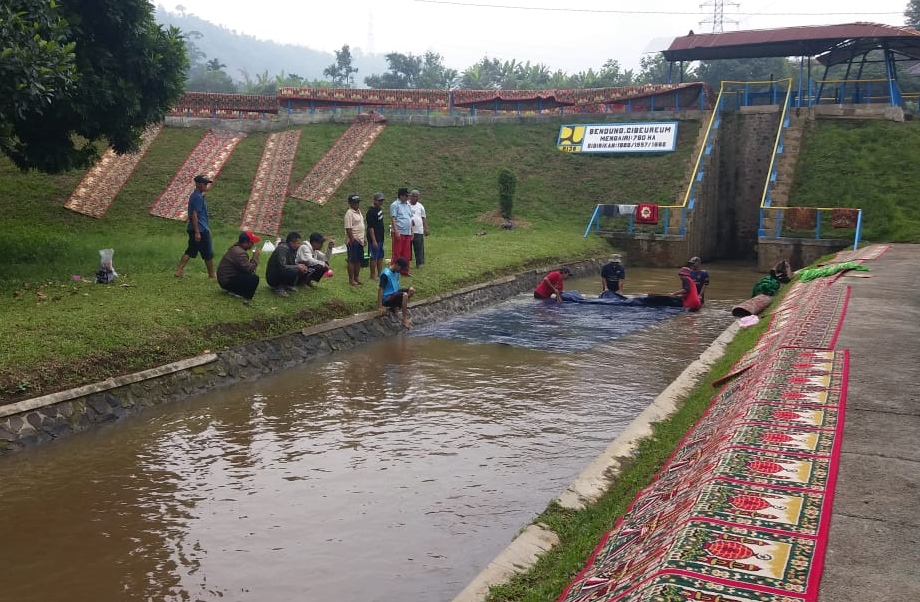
393	472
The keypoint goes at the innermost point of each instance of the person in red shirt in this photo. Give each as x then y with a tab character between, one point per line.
688	292
552	284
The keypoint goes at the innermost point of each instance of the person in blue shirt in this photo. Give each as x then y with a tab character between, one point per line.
699	276
390	295
199	232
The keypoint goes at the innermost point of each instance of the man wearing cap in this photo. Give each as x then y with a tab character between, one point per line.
419	228
375	235
310	255
401	226
699	276
613	274
390	295
236	270
354	240
199	233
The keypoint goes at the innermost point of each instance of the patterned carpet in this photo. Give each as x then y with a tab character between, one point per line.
809	316
208	158
865	254
741	511
97	190
269	188
328	174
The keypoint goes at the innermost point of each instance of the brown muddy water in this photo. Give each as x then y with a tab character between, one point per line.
393	472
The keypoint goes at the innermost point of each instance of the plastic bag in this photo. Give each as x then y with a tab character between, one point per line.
268	247
106	273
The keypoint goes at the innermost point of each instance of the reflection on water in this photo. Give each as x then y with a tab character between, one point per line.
396	471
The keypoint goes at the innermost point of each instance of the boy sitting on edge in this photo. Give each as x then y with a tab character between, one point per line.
389	295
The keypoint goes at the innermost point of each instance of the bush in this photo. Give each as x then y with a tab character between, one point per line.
507	184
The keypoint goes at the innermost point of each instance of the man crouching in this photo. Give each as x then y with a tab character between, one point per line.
389	295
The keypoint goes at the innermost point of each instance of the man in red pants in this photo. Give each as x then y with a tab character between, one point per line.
401	227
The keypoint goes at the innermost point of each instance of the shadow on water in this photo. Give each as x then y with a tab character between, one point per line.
395	471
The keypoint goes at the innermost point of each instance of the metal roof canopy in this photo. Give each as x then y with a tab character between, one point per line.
831	44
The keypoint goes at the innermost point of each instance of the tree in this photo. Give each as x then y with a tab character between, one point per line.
507	186
37	63
487	74
405	70
341	71
654	69
433	75
742	70
128	73
912	14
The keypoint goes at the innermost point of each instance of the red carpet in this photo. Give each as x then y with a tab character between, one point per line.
207	158
328	174
269	188
865	254
741	511
94	194
809	316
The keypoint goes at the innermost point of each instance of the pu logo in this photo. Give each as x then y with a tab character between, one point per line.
571	137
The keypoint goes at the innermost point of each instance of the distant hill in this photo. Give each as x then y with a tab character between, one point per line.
241	52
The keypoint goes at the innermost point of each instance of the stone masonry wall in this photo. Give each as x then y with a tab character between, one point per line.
50	417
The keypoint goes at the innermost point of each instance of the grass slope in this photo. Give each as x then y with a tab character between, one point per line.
867	164
64	333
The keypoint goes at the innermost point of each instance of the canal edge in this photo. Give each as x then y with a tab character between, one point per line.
536	539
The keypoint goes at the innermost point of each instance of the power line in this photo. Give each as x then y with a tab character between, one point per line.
652	12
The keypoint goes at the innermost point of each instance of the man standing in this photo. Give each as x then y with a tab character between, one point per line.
375	235
401	226
419	228
199	233
699	276
389	295
283	273
613	274
317	262
236	270
354	240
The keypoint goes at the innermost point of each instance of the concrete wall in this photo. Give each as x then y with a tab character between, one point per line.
746	142
799	251
284	121
50	417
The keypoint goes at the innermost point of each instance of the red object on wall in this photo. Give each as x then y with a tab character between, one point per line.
646	213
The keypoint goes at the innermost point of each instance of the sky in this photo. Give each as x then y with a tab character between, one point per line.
571	35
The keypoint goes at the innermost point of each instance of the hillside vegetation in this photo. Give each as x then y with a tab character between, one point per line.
64	332
867	164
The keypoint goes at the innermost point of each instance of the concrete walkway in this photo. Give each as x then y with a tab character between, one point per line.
873	552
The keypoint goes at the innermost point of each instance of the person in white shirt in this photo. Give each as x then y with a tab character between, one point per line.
316	261
354	242
419	228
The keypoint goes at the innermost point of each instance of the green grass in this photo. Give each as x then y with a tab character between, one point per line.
64	333
867	164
